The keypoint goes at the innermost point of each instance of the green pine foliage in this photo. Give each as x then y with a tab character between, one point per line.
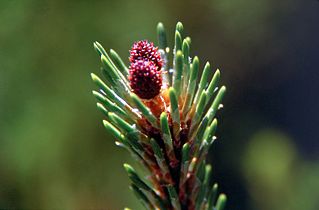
169	135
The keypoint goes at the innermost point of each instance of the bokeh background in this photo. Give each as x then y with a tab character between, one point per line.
54	151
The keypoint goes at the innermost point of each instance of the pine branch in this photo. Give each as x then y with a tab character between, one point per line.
165	118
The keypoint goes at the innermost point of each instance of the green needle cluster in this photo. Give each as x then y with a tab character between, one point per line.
170	134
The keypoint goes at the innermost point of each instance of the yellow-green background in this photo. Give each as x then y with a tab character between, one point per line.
54	152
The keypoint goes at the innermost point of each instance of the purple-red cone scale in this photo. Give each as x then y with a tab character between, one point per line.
144	50
145	79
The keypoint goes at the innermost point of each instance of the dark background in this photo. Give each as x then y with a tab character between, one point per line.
54	151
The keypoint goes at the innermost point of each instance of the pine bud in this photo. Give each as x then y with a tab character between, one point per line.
145	79
144	50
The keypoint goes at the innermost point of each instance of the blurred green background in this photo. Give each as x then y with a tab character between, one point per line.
54	152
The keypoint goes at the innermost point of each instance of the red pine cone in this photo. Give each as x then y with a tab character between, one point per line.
145	79
144	50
